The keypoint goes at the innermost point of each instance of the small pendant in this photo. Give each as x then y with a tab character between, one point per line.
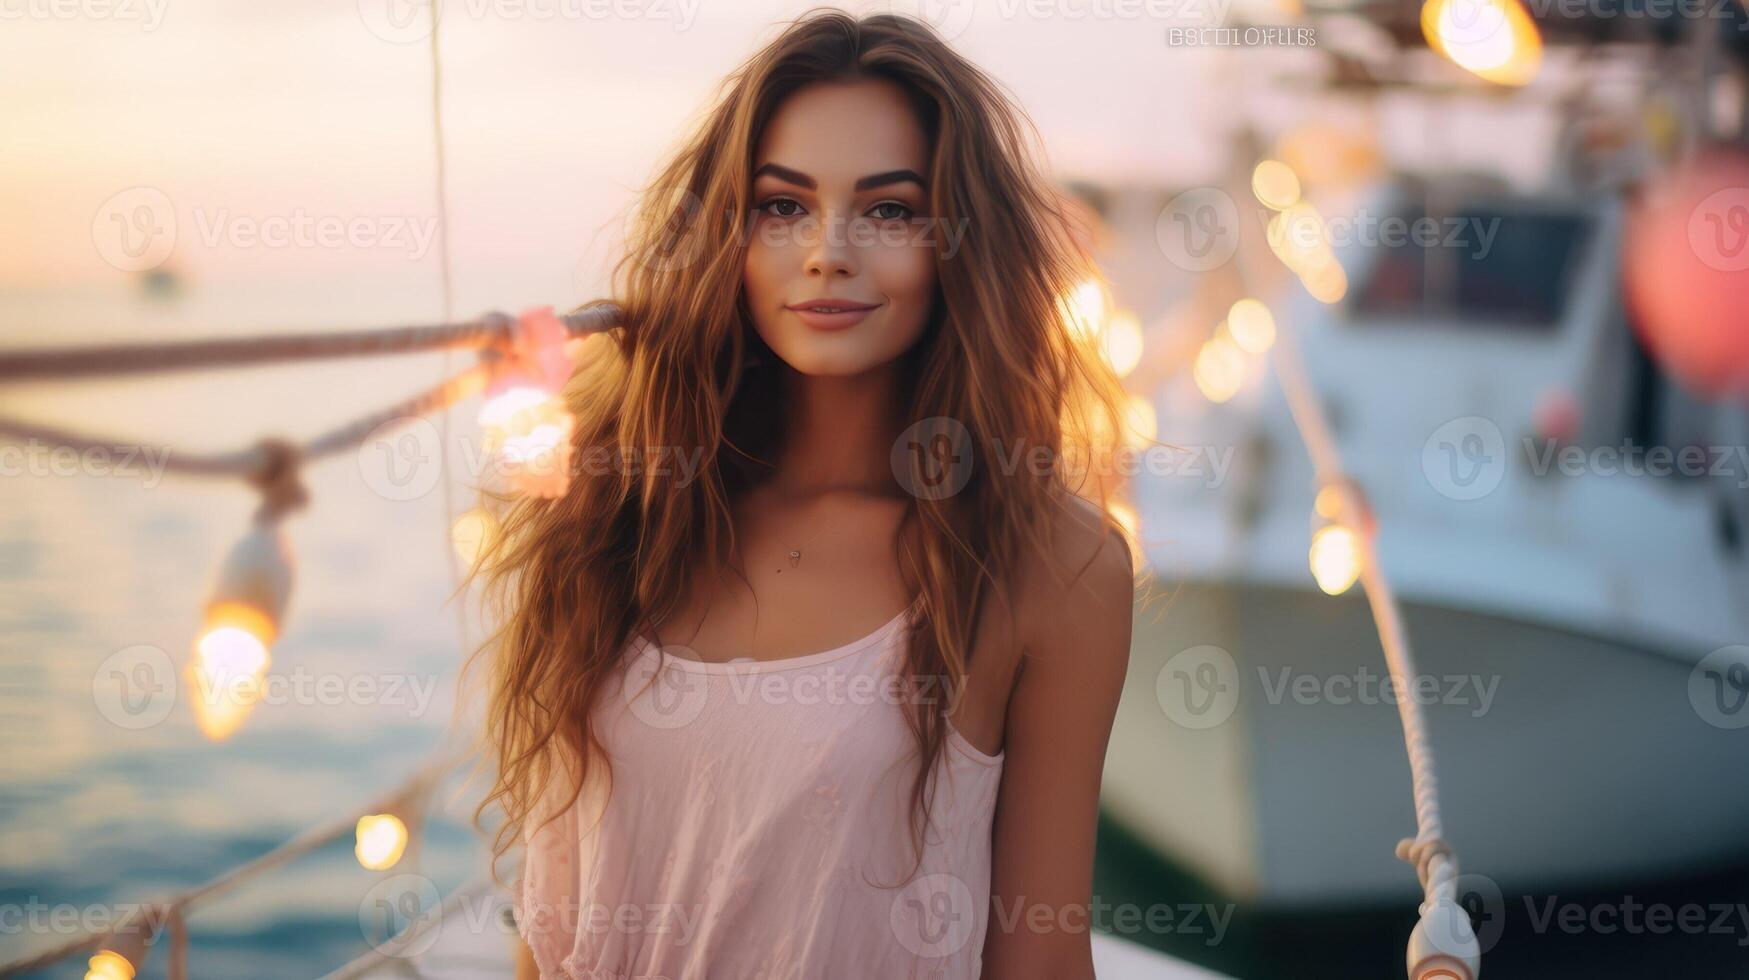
795	558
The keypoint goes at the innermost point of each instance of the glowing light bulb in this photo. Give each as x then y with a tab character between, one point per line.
109	965
240	623
121	955
1251	326
227	674
1084	309
1493	39
526	424
1141	422
1219	369
1131	524
1335	558
510	408
1297	237
382	839
471	533
1122	343
1326	281
1275	184
529	430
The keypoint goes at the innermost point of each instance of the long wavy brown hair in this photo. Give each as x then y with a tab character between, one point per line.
570	581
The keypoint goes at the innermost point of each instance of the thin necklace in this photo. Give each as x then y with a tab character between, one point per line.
795	554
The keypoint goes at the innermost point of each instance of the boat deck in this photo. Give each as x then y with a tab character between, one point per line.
472	940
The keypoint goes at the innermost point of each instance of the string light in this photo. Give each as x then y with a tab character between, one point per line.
122	954
1083	309
1275	184
241	622
471	533
382	839
1340	515
108	965
1251	326
1219	368
1142	424
1296	236
1326	281
526	424
1493	39
1122	343
1130	523
1335	558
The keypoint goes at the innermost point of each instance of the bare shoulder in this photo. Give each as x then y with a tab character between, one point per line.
1078	594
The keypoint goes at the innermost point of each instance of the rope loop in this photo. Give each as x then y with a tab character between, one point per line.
278	479
1420	852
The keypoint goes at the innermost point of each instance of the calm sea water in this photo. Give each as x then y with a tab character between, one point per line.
95	812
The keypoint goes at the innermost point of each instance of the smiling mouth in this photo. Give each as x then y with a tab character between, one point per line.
832	306
831	315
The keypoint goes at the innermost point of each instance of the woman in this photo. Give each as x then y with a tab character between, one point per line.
814	678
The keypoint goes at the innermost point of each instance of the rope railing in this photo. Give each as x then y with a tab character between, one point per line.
173	910
255	460
396	947
487	331
1442	939
270	461
272	466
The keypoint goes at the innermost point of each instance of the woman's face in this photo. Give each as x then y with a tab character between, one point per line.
838	188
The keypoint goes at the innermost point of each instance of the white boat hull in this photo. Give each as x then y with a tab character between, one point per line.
1587	761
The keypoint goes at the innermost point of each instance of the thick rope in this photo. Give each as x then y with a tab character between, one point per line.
392	948
176	907
1434	862
491	330
254	462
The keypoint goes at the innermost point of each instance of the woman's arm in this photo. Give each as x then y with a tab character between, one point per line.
525	965
1076	652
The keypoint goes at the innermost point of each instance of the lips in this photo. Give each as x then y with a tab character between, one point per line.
831	314
832	305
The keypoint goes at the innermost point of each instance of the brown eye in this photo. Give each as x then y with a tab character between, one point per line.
770	205
902	209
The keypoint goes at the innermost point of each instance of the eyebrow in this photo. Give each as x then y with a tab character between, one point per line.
872	180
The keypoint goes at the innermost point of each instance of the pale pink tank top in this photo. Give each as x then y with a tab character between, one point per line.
758	829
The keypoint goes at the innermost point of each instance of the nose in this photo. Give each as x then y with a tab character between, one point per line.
831	252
